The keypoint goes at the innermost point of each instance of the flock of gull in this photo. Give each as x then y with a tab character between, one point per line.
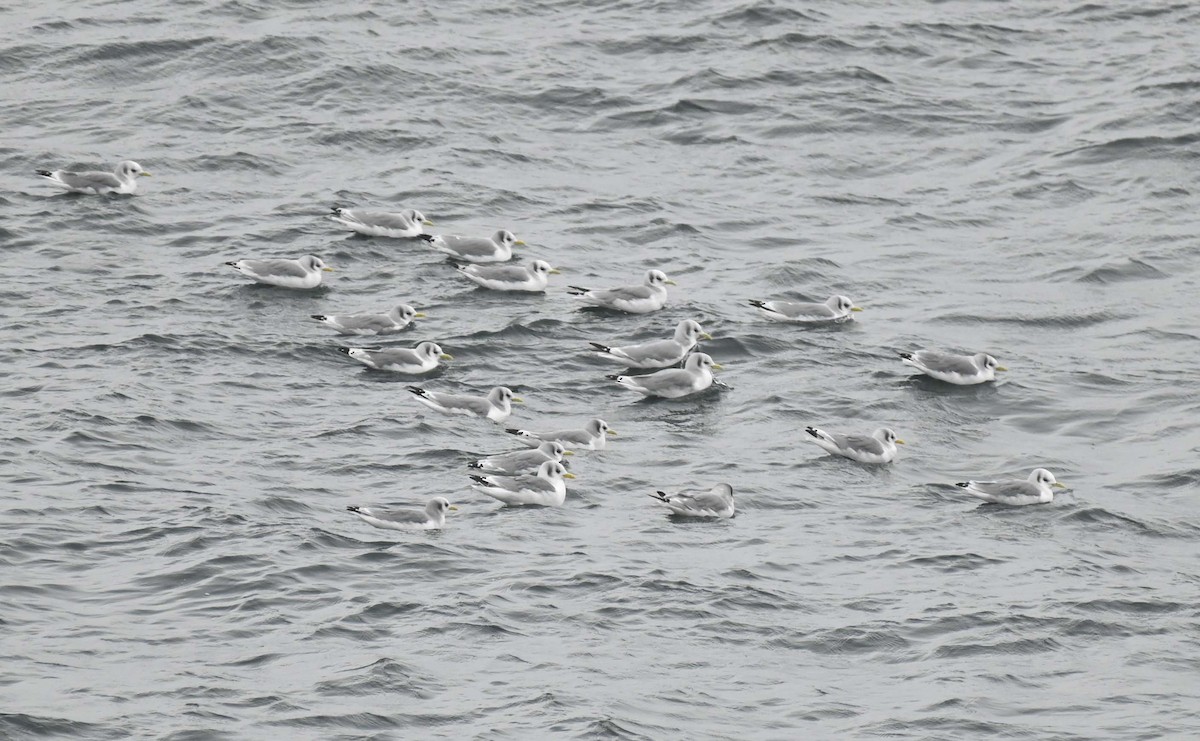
669	368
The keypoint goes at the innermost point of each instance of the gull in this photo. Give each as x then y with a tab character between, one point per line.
497	248
520	461
879	447
531	278
716	502
496	406
371	324
546	488
1015	492
643	299
657	353
420	359
591	436
302	273
673	383
832	309
961	370
381	223
433	517
123	180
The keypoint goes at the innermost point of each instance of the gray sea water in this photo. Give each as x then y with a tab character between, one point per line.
179	445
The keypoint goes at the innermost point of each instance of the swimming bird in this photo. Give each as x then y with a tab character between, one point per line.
302	273
496	406
410	223
832	309
123	180
673	383
546	488
520	461
643	299
717	502
592	436
497	248
879	447
420	359
657	353
1015	492
532	278
433	517
961	370
371	324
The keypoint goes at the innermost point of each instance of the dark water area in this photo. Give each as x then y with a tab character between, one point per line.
179	445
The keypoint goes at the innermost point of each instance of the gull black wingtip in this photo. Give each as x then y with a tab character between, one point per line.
232	263
319	317
758	304
44	173
963	484
577	291
601	348
352	508
659	495
479	479
474	464
812	431
906	356
425	237
417	390
614	377
512	430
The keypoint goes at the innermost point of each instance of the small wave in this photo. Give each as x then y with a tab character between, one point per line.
1136	147
1120	271
765	15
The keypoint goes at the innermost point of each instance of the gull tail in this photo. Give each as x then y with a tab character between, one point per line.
346	350
577	291
45	173
481	480
601	348
963	485
419	391
818	434
906	356
759	304
475	464
427	237
337	211
659	495
355	509
319	317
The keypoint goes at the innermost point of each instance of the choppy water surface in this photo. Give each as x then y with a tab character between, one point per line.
179	446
